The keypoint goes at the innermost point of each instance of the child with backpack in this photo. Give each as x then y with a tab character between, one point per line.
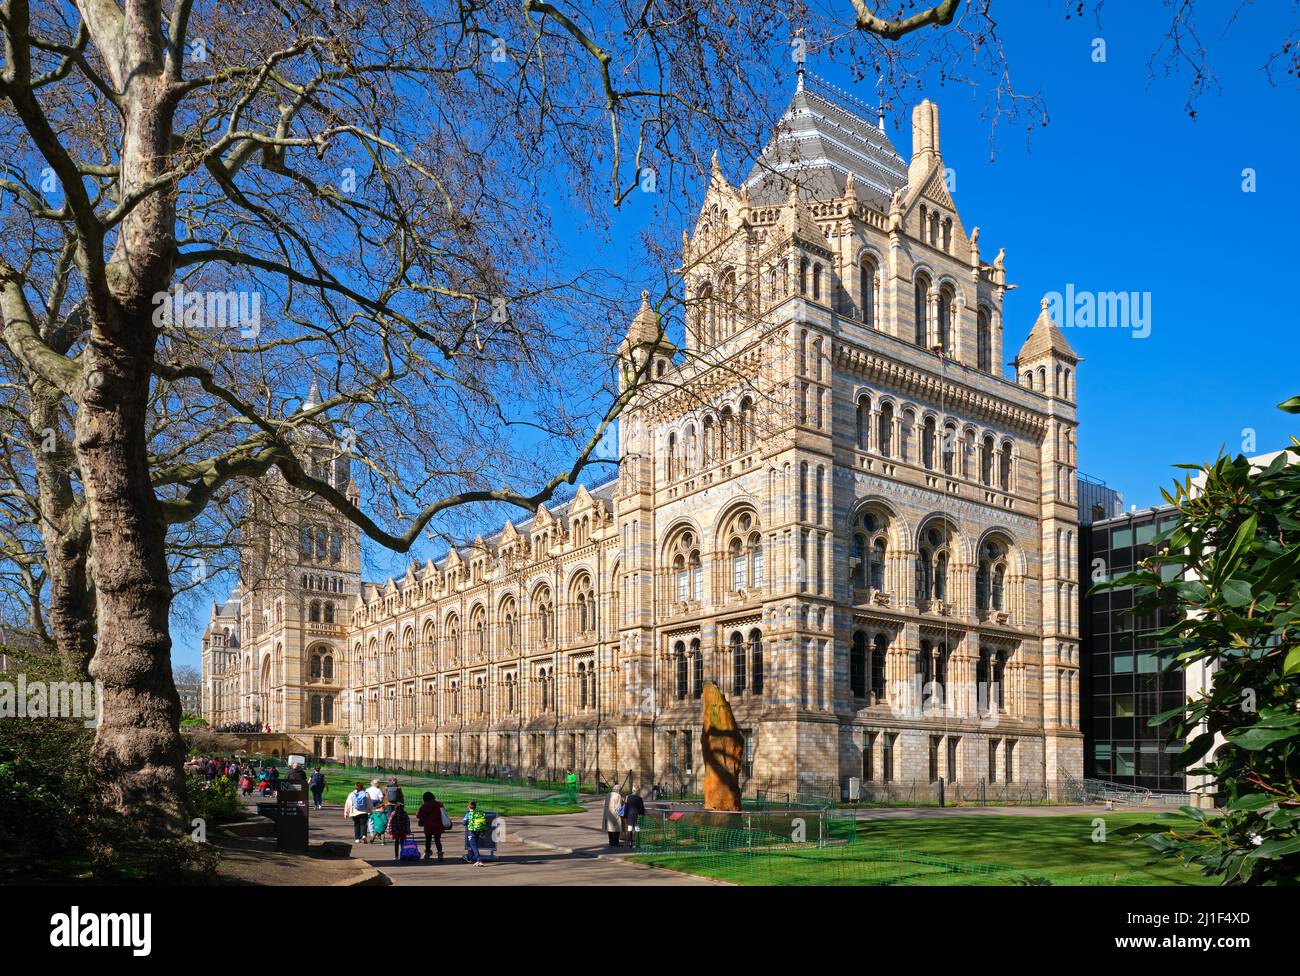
378	825
399	828
475	824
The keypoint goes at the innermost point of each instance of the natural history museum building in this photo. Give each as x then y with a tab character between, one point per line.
830	501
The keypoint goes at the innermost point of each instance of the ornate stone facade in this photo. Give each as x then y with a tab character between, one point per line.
830	501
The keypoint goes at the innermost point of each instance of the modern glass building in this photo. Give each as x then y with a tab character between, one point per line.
1097	500
1121	671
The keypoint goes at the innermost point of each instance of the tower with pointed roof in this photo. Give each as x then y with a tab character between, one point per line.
299	578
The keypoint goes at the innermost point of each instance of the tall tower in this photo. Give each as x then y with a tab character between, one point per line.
645	355
300	578
1046	364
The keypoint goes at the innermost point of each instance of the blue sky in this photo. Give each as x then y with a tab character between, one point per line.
1121	191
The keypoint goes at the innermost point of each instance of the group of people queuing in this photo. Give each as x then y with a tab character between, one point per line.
379	815
262	778
244	727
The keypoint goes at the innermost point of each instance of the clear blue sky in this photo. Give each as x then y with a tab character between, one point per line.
1121	191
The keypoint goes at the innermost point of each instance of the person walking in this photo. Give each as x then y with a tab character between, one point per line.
612	816
393	795
357	809
633	809
376	801
474	823
432	816
571	785
297	777
399	828
317	786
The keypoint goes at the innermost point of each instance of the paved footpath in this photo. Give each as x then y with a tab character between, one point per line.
572	849
559	849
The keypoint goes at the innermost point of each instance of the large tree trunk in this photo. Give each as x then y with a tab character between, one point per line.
138	754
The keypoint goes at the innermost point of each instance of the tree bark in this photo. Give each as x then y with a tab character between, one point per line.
65	534
137	756
138	753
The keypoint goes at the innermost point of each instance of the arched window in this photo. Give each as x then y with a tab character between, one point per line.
582	685
858	666
1004	467
986	461
478	627
737	663
544	610
744	547
870	531
867	289
990	576
314	613
906	427
932	564
728	310
683	555
949	449
927	443
885	436
680	669
507	615
863	421
329	613
878	669
922	298
673	462
943	327
745	433
983	342
756	661
697	670
315	709
510	692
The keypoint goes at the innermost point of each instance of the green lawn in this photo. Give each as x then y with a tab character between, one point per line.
953	851
504	799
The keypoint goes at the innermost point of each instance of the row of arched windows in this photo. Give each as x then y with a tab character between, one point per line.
951	450
320	543
710	440
328	584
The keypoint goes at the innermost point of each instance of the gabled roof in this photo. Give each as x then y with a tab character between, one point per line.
1045	338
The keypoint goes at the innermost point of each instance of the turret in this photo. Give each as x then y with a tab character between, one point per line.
1046	362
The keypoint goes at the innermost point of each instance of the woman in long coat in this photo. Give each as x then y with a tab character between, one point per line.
613	822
